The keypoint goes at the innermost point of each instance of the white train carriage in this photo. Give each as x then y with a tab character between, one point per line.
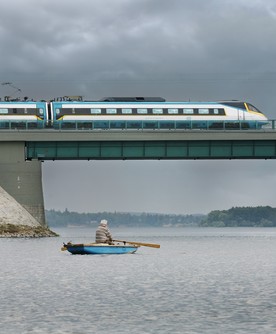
23	114
155	113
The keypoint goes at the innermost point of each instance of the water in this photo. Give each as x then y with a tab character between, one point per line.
199	281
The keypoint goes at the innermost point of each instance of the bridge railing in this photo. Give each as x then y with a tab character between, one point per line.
140	125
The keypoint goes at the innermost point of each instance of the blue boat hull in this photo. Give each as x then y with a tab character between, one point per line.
100	249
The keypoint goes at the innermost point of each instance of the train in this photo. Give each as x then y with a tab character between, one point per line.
126	113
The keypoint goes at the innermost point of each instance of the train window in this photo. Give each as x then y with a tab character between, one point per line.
157	111
4	111
126	111
216	111
111	111
95	111
203	111
25	110
252	108
14	110
188	111
142	111
172	111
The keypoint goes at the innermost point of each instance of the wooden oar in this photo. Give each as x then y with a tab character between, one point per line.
138	243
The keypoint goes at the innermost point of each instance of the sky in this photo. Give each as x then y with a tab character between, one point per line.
194	50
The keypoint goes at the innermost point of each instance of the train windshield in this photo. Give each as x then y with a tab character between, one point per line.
252	108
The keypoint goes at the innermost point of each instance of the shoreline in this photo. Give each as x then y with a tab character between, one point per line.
25	231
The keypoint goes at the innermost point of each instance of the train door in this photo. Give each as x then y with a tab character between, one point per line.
240	115
49	114
243	124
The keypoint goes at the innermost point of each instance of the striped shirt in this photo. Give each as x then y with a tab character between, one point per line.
103	235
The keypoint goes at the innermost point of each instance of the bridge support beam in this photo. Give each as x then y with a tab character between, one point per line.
152	149
22	179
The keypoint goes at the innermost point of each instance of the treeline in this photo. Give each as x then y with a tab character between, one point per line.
68	218
261	216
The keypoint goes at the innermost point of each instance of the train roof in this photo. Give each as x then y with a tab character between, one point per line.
133	99
233	103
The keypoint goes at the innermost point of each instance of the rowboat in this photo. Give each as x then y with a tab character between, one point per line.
122	247
94	248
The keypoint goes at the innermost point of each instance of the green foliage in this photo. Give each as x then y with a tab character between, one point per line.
67	218
260	216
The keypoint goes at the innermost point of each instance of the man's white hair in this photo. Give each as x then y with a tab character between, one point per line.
103	222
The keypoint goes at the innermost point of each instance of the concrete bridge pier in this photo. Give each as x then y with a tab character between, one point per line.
22	179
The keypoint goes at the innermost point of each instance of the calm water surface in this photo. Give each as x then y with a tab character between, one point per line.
199	281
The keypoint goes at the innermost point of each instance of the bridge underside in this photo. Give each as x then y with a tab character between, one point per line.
150	149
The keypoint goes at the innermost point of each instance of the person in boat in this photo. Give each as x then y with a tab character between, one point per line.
103	235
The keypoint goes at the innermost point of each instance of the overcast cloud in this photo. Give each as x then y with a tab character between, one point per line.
181	50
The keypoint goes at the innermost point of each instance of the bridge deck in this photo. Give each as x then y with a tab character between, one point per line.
141	144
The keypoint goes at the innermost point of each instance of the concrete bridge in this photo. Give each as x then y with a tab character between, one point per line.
22	151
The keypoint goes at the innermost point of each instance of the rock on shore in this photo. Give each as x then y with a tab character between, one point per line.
17	222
